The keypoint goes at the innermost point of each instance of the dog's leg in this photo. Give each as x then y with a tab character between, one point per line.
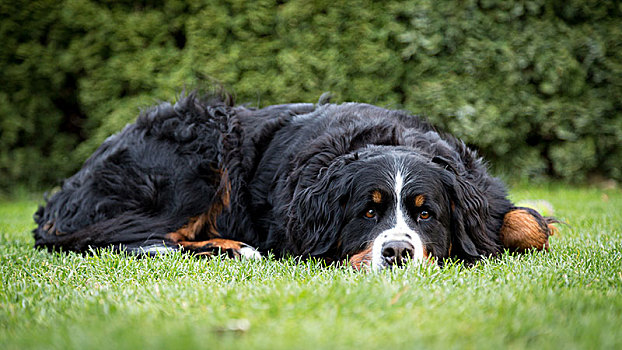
216	246
201	237
525	228
131	231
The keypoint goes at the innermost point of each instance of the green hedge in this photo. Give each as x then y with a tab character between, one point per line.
535	85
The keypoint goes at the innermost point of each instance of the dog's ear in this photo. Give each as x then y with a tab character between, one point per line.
317	212
470	236
525	228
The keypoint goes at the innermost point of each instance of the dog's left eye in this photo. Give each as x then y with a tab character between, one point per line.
424	215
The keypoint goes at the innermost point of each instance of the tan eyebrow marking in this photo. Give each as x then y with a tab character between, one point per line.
419	200
376	196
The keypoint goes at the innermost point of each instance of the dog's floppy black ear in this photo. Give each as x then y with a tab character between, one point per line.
470	239
316	211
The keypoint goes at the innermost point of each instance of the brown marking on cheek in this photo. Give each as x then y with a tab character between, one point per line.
362	260
376	197
521	230
419	200
429	258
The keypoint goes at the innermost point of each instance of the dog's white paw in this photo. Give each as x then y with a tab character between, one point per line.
250	253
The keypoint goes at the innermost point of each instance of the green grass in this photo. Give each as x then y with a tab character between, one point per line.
568	298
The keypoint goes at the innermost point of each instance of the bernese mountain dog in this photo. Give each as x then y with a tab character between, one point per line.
350	183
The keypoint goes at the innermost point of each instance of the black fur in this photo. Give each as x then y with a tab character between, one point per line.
292	179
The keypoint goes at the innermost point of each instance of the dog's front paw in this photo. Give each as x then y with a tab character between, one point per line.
249	252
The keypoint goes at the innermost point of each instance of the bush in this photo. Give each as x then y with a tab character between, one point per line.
535	85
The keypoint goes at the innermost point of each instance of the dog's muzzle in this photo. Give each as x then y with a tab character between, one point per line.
396	248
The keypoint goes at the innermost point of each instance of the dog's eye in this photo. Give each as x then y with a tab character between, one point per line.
371	214
424	215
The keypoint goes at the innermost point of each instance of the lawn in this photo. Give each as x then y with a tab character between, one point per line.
568	298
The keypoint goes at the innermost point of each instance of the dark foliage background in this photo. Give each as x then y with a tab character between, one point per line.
535	85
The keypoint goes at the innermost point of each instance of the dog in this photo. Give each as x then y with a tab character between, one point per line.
350	183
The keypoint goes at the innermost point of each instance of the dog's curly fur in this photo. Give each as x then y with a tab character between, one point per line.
311	180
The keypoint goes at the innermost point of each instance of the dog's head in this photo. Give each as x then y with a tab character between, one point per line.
387	204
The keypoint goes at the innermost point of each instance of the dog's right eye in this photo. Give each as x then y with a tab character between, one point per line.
371	214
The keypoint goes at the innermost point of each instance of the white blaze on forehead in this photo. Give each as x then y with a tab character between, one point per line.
399	184
401	231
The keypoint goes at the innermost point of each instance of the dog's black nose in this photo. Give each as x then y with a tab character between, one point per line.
397	252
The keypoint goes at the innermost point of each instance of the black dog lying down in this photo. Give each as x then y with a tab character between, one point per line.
350	182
